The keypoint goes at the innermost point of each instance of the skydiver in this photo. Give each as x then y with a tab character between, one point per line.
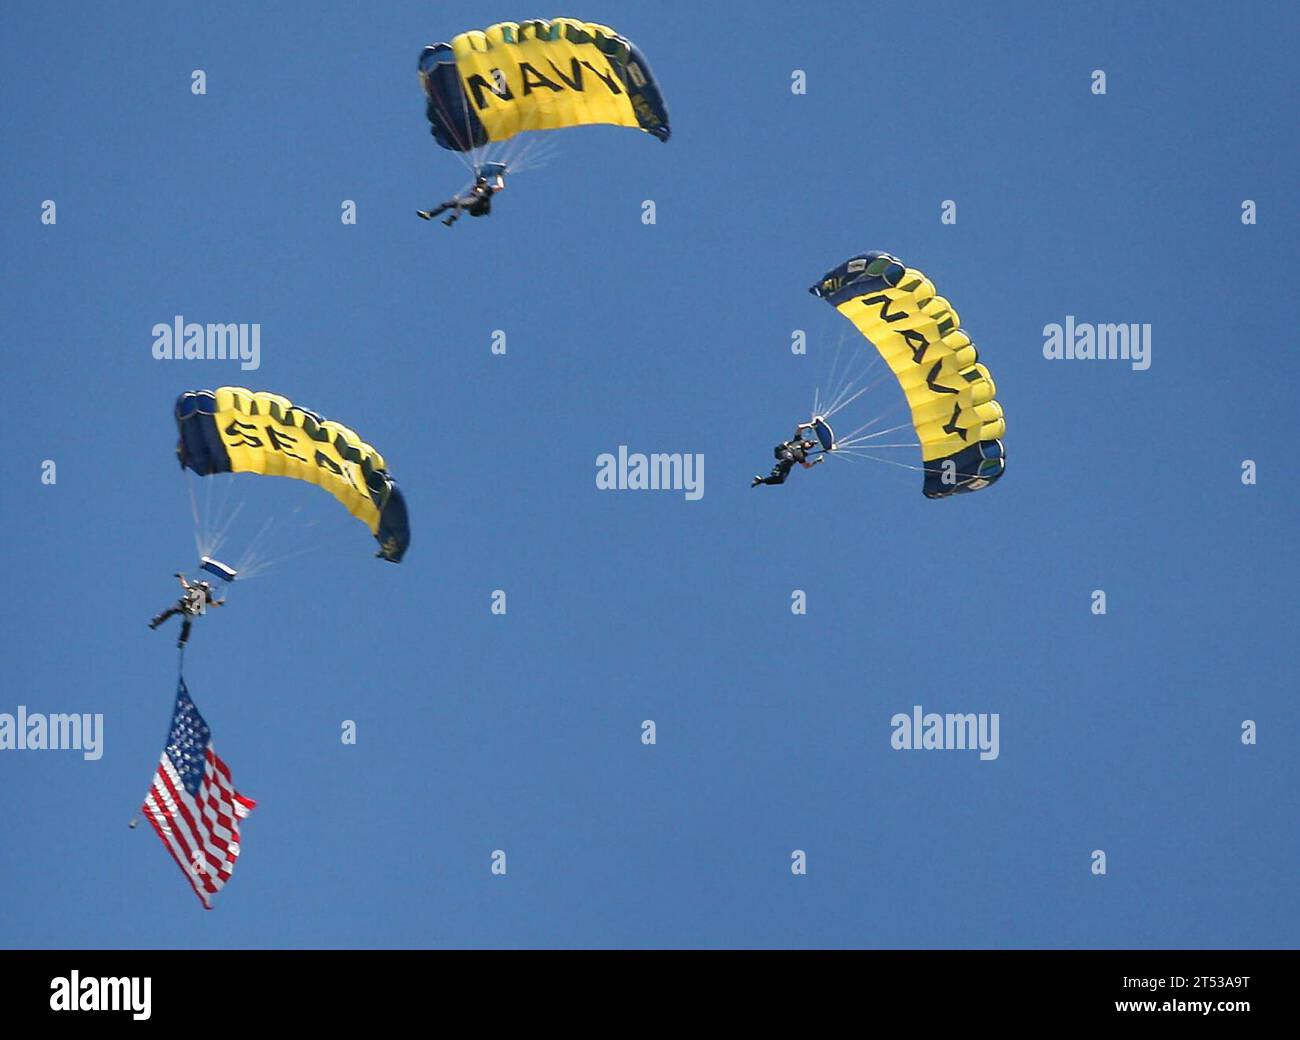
478	203
794	450
194	601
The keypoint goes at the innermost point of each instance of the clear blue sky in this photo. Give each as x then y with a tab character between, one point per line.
521	733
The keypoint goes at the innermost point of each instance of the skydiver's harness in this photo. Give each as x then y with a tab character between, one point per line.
793	450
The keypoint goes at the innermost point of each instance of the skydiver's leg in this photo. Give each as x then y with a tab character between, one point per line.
779	472
429	214
159	619
458	205
185	631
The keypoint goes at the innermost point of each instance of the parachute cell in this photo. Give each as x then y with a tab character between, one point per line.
918	333
234	430
490	85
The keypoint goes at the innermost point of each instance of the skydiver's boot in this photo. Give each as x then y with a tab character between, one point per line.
756	481
424	214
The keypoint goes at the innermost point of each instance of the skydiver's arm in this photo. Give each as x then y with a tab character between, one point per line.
216	602
184	584
815	462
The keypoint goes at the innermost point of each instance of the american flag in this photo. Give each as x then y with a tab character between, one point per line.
193	804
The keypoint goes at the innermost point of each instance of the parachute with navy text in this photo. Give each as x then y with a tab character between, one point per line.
487	86
951	394
234	430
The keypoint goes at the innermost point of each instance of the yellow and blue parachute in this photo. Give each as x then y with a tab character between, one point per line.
234	430
951	394
486	86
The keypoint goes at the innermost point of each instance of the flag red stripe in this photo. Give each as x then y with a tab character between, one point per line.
154	815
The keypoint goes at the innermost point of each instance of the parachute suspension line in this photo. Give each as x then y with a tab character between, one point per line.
198	524
218	538
831	383
247	560
507	151
227	490
832	405
850	453
850	387
831	386
513	151
857	386
852	440
523	141
207	516
836	382
846	396
257	566
215	522
539	153
889	412
838	405
872	458
211	524
846	385
254	562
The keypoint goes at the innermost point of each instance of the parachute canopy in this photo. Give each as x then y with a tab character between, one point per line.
234	430
918	333
492	84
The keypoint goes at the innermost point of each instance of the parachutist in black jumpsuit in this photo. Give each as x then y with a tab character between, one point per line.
478	203
787	455
195	600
